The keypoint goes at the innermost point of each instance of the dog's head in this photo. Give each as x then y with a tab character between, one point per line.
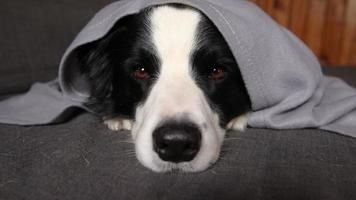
171	71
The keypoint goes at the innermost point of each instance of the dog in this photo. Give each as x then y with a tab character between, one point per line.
168	75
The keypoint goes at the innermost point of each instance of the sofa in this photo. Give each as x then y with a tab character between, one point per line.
82	159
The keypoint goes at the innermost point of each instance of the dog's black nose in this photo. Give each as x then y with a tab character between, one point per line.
177	142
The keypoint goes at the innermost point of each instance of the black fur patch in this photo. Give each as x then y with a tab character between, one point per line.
227	96
109	63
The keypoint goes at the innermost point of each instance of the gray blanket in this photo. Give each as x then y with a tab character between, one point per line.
282	76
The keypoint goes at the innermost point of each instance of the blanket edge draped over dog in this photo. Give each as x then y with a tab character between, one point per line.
282	76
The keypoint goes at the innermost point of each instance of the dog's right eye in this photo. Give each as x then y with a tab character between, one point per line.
217	73
141	73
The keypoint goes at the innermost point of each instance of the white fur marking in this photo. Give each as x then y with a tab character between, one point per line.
118	123
238	123
173	35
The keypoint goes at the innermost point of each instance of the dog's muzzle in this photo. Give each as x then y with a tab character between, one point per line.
177	141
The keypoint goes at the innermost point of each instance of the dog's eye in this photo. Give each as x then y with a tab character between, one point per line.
217	73
141	73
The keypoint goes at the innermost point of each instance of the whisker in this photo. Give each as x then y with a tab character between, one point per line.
232	138
129	151
225	150
213	172
130	156
124	141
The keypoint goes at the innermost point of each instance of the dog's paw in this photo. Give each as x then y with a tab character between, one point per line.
118	123
238	123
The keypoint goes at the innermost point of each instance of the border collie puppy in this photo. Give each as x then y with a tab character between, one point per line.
168	75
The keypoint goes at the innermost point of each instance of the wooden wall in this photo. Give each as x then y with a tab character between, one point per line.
327	26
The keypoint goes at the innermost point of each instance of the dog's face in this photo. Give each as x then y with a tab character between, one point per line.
169	70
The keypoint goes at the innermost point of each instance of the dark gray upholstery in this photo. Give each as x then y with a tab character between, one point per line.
34	35
82	159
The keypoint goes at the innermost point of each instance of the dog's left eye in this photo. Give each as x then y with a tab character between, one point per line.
141	73
217	73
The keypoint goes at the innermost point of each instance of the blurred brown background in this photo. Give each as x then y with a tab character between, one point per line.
328	27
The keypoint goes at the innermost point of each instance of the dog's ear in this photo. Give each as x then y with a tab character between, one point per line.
94	57
90	52
98	59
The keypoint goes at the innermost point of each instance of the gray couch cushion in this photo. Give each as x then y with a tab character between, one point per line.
84	160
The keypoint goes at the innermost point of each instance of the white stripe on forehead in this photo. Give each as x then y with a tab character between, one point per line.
173	34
